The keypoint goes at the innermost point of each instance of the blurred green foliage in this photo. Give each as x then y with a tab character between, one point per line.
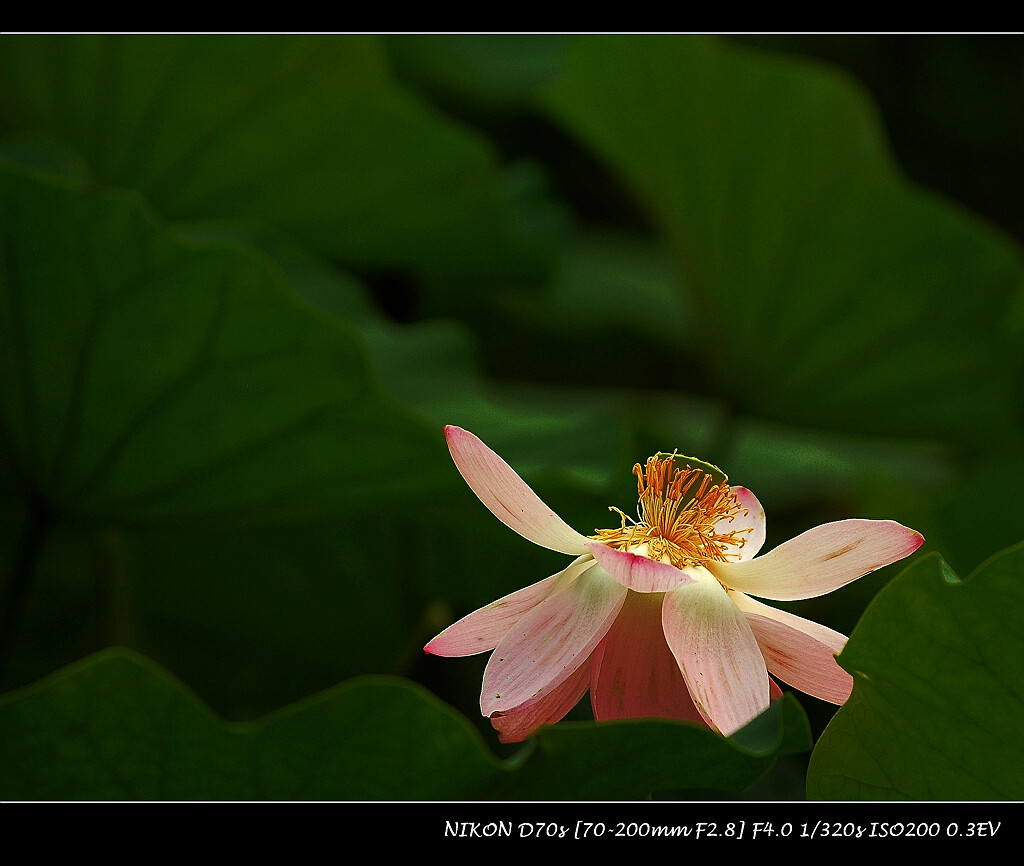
245	281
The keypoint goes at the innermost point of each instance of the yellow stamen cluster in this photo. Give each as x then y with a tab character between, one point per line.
678	511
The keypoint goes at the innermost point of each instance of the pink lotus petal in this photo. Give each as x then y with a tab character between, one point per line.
508	497
551	641
716	651
633	673
774	692
637	572
798	651
821	559
484	628
514	726
752	520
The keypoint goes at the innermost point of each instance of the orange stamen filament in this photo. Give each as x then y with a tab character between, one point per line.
678	511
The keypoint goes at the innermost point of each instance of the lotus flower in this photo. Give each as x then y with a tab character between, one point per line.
655	617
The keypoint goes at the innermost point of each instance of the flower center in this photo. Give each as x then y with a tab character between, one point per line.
683	514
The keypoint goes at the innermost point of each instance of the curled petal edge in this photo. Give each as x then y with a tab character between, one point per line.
514	726
635	571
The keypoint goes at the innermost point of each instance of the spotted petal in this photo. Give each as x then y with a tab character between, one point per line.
633	672
716	651
798	651
749	526
637	572
821	559
508	497
551	642
516	725
484	628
